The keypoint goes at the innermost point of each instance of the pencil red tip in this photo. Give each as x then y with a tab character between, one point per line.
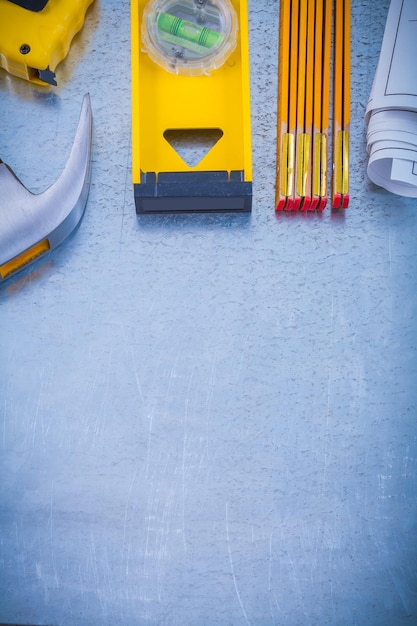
281	204
306	204
314	203
336	201
322	204
296	203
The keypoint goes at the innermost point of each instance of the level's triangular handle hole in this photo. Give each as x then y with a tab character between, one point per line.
192	144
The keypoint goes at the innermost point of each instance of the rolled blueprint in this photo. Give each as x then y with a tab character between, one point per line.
391	113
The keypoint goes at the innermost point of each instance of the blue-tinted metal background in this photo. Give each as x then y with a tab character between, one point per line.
206	419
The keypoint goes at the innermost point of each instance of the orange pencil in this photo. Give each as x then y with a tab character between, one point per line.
341	105
309	106
301	139
292	101
346	101
317	139
325	98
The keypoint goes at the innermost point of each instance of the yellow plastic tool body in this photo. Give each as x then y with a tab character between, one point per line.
33	43
163	101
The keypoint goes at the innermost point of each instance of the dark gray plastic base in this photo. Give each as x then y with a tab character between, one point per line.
193	192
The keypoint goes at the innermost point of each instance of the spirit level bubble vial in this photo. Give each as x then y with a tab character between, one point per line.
190	78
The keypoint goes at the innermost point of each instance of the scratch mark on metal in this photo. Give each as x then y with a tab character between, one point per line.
183	468
209	404
152	511
129	496
51	534
98	424
4	413
326	440
135	369
270	579
148	455
94	560
242	354
389	252
245	615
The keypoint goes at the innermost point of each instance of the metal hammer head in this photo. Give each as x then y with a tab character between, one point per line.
31	224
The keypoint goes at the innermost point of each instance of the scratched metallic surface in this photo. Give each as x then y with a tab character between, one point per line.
206	419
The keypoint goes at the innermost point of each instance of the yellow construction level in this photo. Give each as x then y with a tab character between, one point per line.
190	78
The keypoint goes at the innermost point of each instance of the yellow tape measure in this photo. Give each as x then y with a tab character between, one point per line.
35	35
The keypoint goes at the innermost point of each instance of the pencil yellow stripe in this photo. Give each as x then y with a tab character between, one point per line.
287	171
323	165
320	169
303	158
316	164
341	171
345	161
